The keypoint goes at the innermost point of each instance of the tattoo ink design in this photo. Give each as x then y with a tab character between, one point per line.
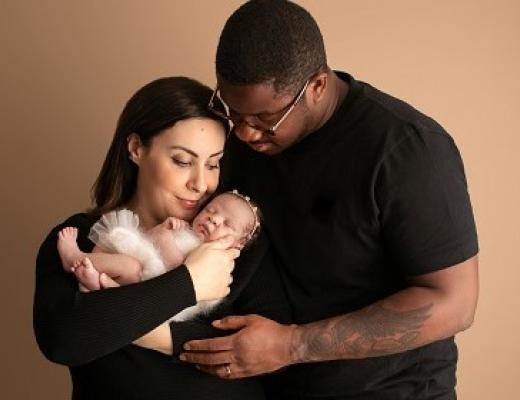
374	331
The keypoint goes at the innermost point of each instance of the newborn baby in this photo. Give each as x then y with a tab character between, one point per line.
128	255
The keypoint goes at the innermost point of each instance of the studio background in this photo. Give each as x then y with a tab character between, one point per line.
68	67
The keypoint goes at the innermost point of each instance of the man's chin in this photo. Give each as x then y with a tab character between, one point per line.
265	148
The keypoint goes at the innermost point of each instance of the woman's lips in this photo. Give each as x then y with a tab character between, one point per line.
189	204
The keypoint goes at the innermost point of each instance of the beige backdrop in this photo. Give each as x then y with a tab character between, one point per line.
67	67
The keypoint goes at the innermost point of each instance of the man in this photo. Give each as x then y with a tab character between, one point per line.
366	206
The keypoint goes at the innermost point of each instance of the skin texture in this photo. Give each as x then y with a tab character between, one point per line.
178	171
225	215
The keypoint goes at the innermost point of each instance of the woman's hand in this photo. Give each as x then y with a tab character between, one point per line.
210	266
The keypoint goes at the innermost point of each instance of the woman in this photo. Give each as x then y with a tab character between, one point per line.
163	161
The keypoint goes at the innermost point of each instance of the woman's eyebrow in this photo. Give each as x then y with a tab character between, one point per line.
195	154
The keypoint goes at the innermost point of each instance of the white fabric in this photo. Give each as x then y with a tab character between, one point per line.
118	232
186	241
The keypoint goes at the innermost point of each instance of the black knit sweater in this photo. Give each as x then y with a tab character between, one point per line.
92	333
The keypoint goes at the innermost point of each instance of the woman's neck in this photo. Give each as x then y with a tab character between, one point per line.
146	219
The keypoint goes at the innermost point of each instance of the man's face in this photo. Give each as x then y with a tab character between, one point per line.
256	108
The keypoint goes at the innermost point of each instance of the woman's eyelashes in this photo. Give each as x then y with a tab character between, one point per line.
180	162
213	165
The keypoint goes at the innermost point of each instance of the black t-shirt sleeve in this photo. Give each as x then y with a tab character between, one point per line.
424	206
73	328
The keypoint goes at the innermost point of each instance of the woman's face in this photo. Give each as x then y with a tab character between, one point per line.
178	170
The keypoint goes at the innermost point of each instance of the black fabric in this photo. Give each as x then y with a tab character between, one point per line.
92	332
256	289
375	196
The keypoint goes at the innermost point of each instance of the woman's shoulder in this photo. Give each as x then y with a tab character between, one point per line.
79	220
82	221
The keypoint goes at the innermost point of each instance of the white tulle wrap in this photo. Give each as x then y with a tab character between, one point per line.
118	232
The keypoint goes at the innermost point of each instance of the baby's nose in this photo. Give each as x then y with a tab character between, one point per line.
216	219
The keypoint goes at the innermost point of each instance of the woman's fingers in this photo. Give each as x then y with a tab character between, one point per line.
210	267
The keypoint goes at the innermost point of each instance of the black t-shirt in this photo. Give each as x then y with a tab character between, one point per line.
377	195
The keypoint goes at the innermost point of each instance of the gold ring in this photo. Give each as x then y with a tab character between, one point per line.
228	370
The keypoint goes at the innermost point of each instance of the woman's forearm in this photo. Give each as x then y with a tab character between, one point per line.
159	339
73	328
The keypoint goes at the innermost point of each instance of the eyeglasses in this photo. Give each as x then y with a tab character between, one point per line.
236	120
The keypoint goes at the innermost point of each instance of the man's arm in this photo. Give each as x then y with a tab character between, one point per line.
436	306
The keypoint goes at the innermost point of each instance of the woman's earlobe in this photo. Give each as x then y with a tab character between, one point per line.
134	148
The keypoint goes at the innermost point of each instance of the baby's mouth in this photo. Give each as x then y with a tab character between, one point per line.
203	230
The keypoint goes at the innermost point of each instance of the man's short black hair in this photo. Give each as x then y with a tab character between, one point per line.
273	41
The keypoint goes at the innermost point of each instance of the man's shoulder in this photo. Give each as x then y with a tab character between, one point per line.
386	112
378	122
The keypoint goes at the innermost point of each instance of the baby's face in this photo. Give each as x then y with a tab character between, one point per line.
225	215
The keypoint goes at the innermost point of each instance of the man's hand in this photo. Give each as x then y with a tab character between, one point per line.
260	346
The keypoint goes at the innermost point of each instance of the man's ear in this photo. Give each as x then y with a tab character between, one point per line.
135	148
317	87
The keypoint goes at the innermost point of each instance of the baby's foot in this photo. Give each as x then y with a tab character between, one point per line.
87	275
68	247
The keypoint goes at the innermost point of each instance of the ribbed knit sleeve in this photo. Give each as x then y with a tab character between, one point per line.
74	328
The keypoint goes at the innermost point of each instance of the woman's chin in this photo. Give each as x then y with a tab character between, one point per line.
183	213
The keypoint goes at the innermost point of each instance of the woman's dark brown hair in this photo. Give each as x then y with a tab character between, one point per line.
152	109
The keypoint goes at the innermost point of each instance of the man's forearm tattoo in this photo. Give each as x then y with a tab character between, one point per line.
373	331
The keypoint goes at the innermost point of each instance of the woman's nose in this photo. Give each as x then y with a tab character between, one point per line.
198	182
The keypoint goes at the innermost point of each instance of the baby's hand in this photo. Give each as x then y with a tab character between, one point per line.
176	223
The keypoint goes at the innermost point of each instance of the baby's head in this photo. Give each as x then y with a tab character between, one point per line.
229	213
